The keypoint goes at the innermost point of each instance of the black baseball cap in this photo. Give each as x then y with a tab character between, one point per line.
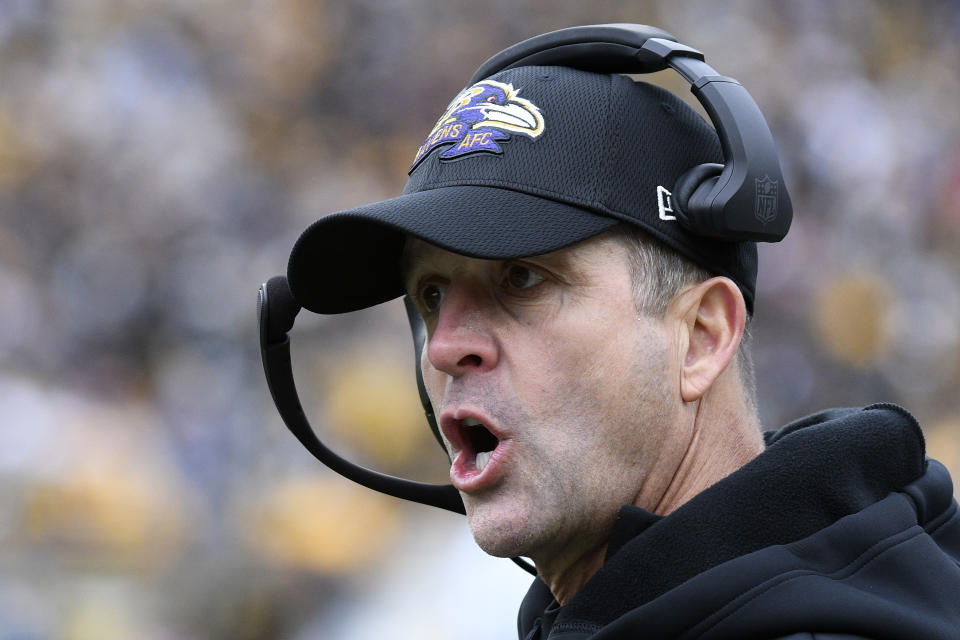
528	161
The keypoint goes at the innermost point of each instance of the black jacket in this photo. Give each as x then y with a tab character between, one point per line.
841	529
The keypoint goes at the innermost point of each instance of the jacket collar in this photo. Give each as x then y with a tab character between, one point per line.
814	471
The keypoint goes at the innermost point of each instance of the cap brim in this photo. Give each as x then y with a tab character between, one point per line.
351	260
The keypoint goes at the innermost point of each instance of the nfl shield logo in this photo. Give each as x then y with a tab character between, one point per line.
765	208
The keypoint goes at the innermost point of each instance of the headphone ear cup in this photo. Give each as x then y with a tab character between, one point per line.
690	197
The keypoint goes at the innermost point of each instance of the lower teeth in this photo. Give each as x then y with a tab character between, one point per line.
482	459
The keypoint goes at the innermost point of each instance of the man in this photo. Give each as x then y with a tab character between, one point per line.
586	363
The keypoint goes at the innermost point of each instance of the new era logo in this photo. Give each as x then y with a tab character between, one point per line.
665	204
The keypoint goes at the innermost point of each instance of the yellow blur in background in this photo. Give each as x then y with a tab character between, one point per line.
157	162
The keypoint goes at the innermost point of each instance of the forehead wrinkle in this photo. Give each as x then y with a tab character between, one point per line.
575	264
583	262
421	258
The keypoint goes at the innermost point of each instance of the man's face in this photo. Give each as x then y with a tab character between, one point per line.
546	362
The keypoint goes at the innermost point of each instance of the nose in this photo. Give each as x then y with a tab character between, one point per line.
462	340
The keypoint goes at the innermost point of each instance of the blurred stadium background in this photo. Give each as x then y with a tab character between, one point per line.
158	158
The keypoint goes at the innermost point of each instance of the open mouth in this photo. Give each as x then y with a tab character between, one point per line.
479	449
478	443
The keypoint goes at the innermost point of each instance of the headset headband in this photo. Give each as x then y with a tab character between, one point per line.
734	205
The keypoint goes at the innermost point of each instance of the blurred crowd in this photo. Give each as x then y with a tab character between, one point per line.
158	158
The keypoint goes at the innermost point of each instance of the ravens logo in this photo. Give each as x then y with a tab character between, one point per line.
480	117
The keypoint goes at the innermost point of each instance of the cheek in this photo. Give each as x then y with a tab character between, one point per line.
615	386
598	360
566	383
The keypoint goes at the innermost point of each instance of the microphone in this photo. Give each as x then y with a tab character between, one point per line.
277	309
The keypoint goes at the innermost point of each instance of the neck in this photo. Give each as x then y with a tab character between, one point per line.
719	438
722	440
566	580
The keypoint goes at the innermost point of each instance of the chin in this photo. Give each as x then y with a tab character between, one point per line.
502	533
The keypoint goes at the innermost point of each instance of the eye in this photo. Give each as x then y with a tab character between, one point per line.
518	276
492	99
431	296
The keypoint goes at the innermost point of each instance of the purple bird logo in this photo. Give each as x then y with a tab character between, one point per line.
478	119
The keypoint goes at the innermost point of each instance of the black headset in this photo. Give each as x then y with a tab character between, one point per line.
720	201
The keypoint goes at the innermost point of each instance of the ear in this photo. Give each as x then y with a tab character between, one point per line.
714	315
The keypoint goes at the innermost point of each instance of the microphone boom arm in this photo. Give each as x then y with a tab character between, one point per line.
275	352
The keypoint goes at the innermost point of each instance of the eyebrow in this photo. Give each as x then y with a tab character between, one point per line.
564	262
561	259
